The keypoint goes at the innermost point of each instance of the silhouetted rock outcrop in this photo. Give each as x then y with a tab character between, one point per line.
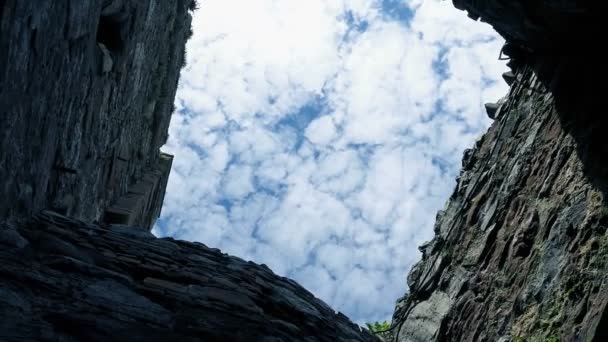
540	25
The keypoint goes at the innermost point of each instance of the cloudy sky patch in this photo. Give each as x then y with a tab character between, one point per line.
321	137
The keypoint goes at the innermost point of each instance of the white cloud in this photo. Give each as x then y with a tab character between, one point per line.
386	84
237	182
339	194
339	172
321	131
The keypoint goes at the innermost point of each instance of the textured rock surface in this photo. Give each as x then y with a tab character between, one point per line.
86	94
521	250
65	280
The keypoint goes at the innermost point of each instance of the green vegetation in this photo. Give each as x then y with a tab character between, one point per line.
378	327
604	212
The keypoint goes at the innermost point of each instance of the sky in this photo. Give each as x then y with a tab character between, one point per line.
320	137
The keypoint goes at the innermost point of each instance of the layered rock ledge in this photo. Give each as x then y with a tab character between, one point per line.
66	280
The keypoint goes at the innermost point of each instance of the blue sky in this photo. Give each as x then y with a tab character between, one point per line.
321	137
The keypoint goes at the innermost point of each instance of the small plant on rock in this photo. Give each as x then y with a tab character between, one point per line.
378	327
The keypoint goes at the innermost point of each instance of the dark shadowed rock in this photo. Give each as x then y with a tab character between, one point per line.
76	78
509	77
540	24
124	287
491	109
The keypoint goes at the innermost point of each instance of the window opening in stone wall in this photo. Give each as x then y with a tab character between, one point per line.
109	33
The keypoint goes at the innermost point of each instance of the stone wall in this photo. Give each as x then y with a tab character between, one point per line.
142	203
86	91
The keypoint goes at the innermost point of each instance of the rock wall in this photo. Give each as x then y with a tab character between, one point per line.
65	280
86	94
521	249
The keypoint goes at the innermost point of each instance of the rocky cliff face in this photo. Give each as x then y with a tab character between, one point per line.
521	249
86	95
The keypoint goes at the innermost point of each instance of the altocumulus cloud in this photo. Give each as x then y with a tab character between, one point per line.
321	137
